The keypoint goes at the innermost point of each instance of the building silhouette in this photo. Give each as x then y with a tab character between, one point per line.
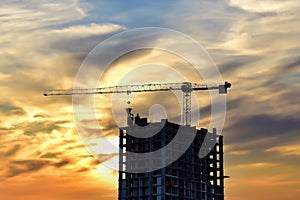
186	178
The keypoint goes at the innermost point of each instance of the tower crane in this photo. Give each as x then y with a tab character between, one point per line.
186	87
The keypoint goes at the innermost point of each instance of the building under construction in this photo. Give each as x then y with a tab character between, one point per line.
187	178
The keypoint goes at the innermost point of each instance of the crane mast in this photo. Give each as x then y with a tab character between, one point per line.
185	87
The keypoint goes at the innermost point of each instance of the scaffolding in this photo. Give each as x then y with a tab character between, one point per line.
187	178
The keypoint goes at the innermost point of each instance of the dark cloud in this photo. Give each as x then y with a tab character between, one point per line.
49	155
103	157
12	151
109	127
41	126
293	64
230	64
106	125
25	166
2	145
40	116
285	69
291	97
62	163
230	105
19	167
267	130
75	146
32	128
84	169
9	109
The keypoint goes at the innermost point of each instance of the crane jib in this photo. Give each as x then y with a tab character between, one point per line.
185	87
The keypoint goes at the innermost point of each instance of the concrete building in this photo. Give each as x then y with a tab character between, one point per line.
187	178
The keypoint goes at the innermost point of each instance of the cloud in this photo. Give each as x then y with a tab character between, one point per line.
41	126
101	158
288	150
13	150
290	64
7	109
232	63
31	15
40	116
16	168
238	153
262	131
256	165
251	31
49	155
62	163
82	31
205	21
80	38
264	6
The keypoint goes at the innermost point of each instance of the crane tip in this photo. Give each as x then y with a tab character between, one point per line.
227	84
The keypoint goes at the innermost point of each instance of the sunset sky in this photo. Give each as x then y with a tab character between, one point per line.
255	45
